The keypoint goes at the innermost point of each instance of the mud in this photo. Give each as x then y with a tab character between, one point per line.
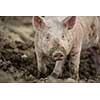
18	59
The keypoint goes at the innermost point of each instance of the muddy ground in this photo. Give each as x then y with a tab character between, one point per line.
18	59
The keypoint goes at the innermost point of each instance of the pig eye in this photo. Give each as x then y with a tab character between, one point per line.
47	37
63	36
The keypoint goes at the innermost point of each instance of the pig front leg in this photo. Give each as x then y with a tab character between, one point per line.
42	69
58	69
74	62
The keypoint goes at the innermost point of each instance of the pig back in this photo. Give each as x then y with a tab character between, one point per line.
91	30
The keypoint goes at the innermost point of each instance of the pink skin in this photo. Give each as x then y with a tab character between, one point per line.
69	34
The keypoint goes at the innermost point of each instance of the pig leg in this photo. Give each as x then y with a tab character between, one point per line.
58	69
74	62
41	64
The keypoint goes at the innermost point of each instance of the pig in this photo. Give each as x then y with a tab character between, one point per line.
57	37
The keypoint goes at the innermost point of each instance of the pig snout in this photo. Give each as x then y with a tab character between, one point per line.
58	56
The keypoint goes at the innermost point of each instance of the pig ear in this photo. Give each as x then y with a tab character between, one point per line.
69	22
38	22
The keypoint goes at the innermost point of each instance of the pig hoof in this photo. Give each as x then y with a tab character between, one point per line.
54	75
50	77
40	75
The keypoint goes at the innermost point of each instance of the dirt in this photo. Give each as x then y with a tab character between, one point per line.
18	59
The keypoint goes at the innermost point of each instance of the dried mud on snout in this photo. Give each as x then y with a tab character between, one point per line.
18	59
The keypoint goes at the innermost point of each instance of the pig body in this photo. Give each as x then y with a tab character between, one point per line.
57	37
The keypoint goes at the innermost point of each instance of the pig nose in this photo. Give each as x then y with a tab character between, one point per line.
58	56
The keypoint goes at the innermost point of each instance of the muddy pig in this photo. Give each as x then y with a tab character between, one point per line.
59	36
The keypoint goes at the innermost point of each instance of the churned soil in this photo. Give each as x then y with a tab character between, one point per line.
18	59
